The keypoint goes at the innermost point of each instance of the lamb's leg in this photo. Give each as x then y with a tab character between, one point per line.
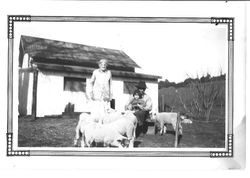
132	141
82	144
161	132
105	144
83	141
164	129
174	126
180	129
131	135
75	141
88	143
77	136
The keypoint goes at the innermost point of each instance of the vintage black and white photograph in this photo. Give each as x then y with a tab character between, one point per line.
122	83
123	88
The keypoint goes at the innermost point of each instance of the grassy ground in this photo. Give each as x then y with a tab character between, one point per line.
60	132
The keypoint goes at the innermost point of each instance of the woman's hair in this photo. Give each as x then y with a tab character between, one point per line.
137	92
103	61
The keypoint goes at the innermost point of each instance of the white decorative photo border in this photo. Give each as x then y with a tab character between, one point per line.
227	21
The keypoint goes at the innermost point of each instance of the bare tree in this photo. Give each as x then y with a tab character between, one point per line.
204	94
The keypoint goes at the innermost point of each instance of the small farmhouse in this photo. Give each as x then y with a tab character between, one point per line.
55	74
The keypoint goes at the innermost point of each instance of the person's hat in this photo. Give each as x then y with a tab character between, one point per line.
141	85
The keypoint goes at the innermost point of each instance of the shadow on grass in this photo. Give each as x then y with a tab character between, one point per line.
137	143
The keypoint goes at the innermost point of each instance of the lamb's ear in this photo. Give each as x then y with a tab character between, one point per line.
120	141
121	138
153	113
123	141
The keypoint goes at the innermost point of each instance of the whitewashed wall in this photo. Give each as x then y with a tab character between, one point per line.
25	93
152	91
120	98
50	96
52	99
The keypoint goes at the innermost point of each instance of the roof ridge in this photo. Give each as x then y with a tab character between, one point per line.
26	36
74	52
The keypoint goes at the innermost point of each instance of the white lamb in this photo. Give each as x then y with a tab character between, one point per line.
84	119
187	121
96	133
124	124
164	118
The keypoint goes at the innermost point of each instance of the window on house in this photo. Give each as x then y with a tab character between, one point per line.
129	87
74	84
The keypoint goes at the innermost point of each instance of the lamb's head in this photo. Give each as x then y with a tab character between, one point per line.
182	117
153	115
123	141
187	121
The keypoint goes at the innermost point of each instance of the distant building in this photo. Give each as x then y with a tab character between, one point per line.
53	74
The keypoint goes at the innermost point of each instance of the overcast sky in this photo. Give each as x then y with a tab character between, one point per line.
173	51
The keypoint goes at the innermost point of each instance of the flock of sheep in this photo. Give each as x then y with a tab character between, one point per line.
115	129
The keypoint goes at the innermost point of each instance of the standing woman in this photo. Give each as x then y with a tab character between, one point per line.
100	88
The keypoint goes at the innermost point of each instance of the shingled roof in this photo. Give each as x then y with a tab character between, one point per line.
59	52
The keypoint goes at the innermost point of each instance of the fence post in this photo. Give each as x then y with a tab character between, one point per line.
162	103
34	94
177	131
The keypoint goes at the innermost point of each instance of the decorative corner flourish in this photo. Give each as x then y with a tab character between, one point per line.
16	18
227	21
228	153
10	151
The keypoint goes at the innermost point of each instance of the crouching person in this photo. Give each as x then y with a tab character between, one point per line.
143	106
